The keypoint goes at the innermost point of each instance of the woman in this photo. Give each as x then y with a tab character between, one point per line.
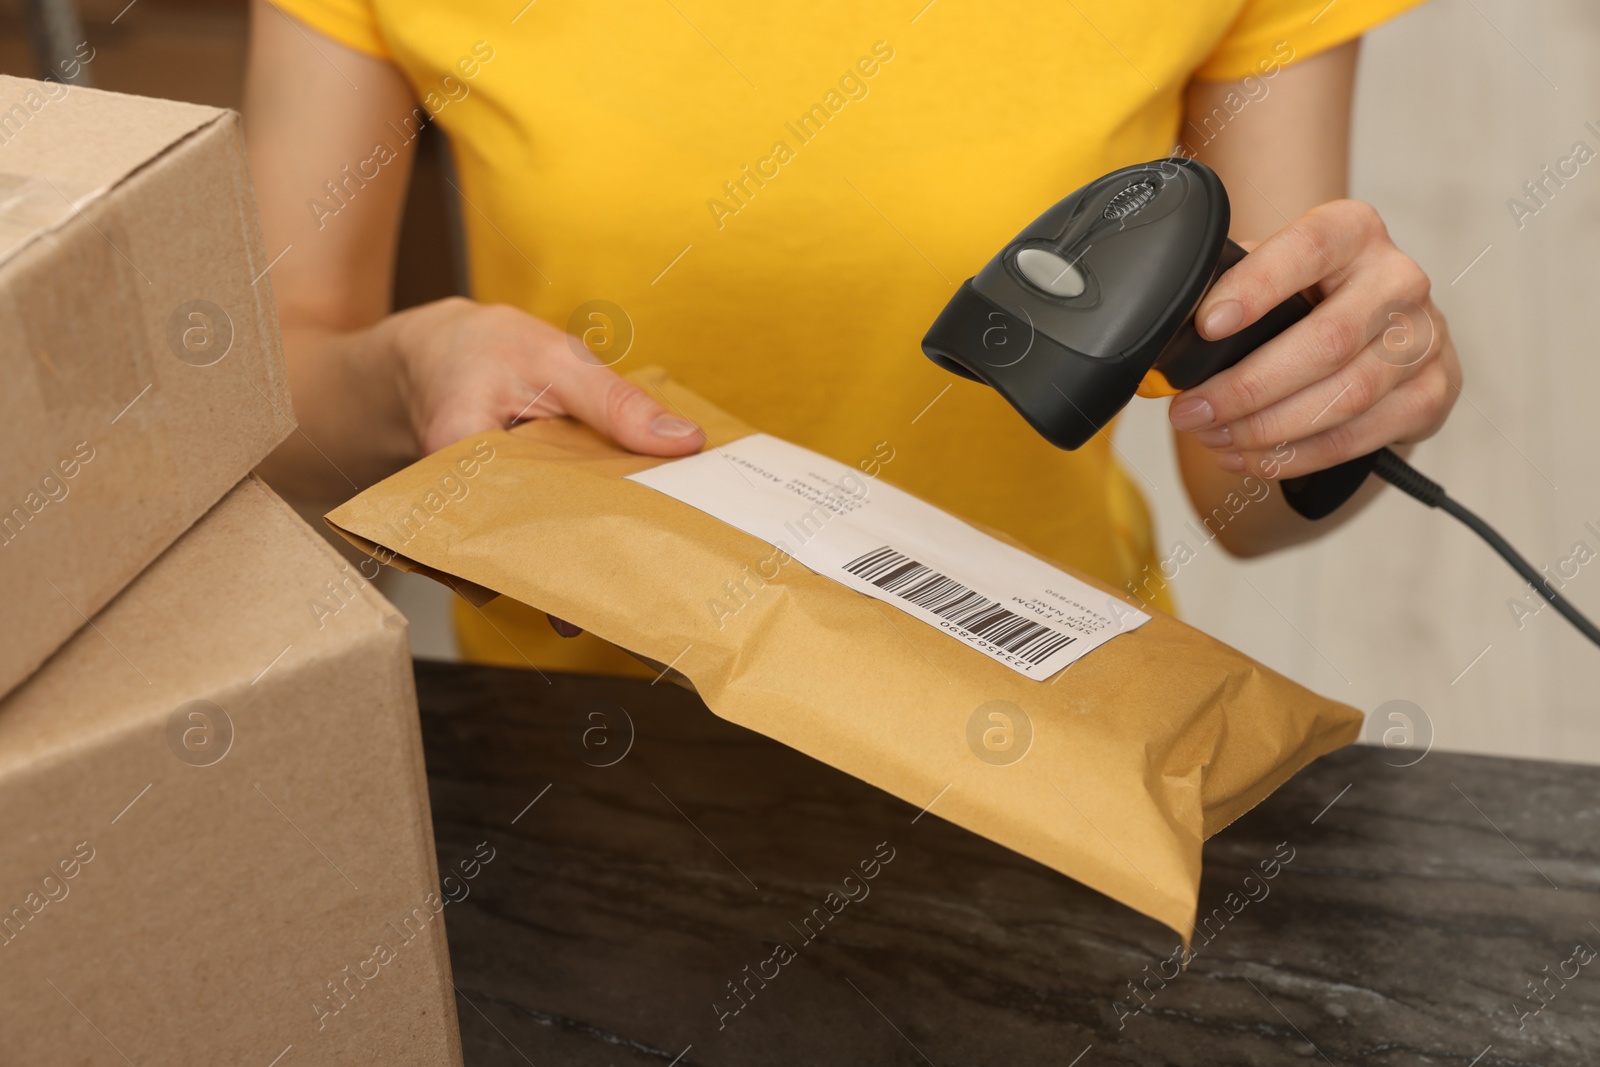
774	205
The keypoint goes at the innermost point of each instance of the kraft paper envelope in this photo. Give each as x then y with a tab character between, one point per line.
1139	751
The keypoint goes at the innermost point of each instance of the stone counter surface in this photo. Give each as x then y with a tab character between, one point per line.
634	881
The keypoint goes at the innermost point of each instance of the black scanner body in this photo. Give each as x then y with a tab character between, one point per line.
1097	297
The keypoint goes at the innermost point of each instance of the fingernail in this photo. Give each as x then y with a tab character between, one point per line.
1191	413
1230	461
1223	319
1221	437
672	426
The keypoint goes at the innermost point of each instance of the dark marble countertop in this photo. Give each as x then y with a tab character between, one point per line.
621	877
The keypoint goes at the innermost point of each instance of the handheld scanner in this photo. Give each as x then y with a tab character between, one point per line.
1094	303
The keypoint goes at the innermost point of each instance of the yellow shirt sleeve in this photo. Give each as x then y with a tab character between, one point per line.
1272	33
352	23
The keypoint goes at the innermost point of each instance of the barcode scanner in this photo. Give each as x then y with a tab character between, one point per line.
1093	303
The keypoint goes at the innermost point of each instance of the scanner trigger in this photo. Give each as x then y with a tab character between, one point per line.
1154	385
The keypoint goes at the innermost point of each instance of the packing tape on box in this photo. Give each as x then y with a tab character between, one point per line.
70	299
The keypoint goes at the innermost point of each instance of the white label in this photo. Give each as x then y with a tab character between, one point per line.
886	543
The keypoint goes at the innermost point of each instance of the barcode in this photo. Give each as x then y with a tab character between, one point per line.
894	572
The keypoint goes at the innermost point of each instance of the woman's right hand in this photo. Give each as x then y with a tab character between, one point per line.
469	367
374	391
466	367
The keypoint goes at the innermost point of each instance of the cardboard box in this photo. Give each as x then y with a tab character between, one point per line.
217	846
138	345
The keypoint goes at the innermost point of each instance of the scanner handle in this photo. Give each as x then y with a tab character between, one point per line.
1189	359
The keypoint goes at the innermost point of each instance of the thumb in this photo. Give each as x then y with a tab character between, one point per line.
626	413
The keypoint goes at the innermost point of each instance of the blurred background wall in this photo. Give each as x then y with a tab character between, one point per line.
1460	103
1404	613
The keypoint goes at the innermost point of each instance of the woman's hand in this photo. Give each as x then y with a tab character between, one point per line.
466	367
1372	365
374	391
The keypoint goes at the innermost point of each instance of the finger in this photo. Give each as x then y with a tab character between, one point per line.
1412	411
563	627
478	405
1320	244
623	411
1332	401
460	416
1310	350
451	427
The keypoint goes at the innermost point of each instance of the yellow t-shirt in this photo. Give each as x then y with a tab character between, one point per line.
781	198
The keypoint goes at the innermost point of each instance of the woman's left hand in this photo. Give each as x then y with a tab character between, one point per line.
1372	365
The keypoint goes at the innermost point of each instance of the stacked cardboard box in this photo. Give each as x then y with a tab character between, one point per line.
217	845
143	377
